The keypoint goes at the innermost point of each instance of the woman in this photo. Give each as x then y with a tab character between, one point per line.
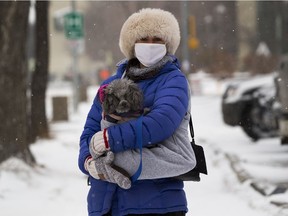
148	39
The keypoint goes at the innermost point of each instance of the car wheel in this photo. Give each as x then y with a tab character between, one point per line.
259	122
249	123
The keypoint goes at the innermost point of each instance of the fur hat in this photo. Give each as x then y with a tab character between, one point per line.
153	23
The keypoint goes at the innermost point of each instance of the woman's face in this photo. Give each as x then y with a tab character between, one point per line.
149	50
156	40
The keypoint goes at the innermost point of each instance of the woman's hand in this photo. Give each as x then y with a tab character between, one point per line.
102	168
99	144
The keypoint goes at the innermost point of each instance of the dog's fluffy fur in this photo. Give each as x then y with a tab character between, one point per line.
122	96
153	23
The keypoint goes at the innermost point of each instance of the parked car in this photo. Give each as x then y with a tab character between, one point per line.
252	105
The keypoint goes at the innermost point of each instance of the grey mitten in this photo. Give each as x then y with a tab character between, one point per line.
112	173
99	144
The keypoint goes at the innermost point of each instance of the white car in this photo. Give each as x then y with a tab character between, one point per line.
252	105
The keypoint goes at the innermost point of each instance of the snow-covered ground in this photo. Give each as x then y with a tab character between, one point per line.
57	187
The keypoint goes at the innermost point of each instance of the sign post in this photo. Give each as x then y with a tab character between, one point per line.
73	25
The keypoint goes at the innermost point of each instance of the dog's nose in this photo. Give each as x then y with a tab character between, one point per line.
123	103
123	106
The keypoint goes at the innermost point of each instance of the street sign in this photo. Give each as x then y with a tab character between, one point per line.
73	24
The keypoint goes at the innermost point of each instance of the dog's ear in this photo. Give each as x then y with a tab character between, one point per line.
109	89
110	104
136	96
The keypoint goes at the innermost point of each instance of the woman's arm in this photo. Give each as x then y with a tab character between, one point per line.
169	107
91	126
170	158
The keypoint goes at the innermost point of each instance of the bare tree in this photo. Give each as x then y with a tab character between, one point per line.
13	80
39	125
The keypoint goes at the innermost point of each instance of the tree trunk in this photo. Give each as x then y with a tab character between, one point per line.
13	80
39	125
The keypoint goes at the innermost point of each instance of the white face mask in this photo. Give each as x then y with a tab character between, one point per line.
149	53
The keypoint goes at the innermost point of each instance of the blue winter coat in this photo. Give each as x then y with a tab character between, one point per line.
166	94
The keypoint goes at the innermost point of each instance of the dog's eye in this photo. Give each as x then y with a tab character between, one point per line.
112	98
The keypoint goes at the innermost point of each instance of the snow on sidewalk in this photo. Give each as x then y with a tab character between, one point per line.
57	187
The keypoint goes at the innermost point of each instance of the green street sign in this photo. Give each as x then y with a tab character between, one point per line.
73	25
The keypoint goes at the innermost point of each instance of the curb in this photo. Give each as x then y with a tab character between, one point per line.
264	188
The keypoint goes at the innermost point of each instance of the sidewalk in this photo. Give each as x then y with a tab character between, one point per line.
57	187
259	167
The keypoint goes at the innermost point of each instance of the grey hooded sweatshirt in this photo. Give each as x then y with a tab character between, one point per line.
171	158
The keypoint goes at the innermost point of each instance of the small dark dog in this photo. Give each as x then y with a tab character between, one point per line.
121	101
122	97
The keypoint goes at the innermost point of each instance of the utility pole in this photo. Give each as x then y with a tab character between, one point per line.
282	87
185	51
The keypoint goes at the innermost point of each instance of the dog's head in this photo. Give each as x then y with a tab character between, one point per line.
122	96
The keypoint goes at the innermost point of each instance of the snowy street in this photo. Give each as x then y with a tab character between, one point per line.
57	187
55	55
254	162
